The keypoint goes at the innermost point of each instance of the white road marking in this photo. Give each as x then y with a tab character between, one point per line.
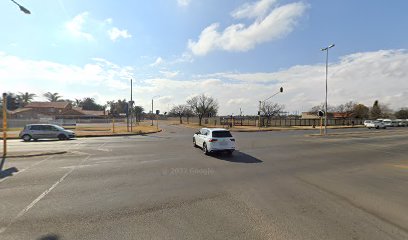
100	148
26	209
25	169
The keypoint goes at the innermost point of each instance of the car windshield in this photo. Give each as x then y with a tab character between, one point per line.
221	134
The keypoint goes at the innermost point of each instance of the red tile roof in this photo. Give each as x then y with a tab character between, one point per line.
58	105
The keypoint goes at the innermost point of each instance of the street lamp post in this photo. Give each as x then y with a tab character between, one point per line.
152	107
23	9
327	69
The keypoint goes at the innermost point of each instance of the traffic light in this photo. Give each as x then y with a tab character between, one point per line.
320	113
281	89
126	108
12	103
157	112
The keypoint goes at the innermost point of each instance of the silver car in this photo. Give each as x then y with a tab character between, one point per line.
37	131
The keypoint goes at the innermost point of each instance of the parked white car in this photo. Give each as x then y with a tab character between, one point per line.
214	140
376	124
390	123
367	122
402	122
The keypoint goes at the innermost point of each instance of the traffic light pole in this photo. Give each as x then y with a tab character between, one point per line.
260	102
131	105
4	125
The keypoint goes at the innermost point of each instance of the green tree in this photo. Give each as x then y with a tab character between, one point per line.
90	104
361	111
138	112
117	107
25	98
402	113
203	105
375	110
52	97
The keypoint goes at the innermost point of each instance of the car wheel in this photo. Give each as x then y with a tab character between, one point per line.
26	138
205	150
194	143
377	127
62	137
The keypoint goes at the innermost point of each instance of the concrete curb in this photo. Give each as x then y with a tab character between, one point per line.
35	154
115	135
354	133
288	129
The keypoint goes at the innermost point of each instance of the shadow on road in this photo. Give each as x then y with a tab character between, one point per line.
237	157
7	172
49	237
49	140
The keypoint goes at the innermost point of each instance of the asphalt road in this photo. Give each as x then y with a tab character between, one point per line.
279	185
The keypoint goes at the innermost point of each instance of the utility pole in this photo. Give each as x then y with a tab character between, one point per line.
327	70
131	105
4	125
259	114
152	112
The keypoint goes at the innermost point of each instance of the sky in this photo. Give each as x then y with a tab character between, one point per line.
237	51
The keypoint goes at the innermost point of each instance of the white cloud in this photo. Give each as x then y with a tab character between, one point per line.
158	61
183	3
108	21
115	33
361	77
75	26
238	37
253	10
169	74
84	27
69	80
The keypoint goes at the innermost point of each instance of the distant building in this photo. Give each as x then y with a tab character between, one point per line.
53	110
309	115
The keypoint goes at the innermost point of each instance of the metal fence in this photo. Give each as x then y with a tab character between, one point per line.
18	123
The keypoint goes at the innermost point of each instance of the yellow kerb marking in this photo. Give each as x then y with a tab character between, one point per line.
401	166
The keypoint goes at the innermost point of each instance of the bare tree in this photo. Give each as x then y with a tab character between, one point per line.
270	110
203	105
317	108
346	110
179	111
188	113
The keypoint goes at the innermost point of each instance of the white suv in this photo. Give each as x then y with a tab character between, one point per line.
375	124
214	140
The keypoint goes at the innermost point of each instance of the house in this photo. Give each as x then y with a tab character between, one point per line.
309	115
54	110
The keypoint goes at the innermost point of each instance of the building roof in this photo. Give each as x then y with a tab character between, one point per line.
19	110
58	105
93	113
